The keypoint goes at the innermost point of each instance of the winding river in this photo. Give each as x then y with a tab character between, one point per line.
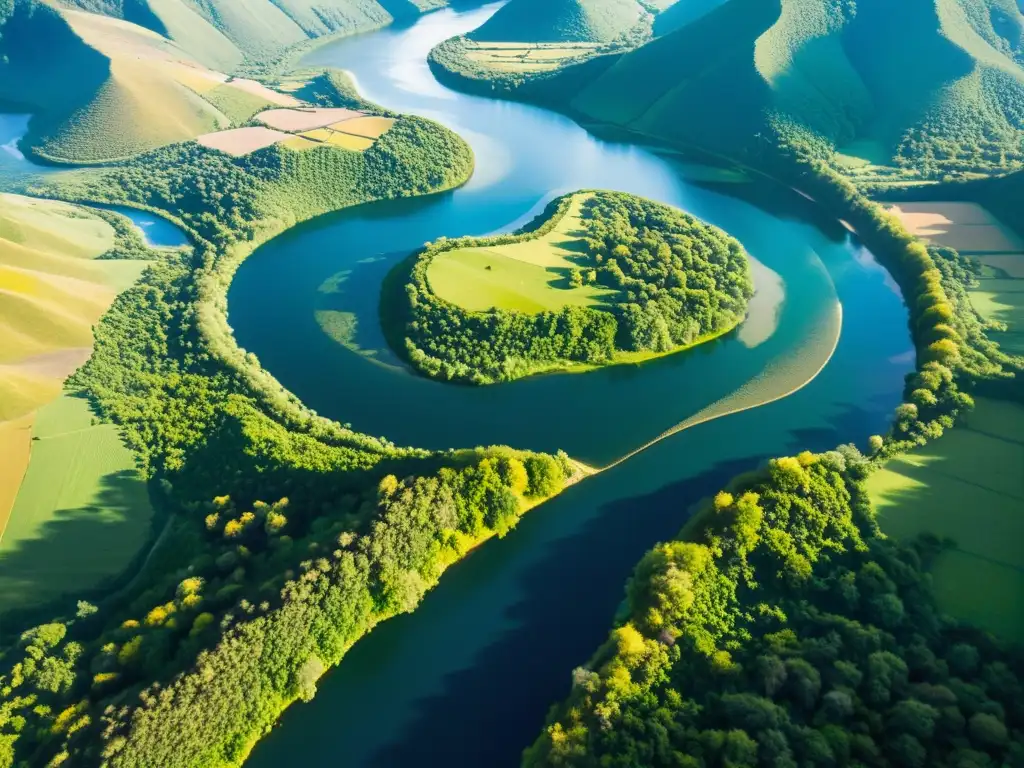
466	680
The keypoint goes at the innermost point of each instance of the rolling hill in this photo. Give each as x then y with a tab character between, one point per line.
936	84
553	21
103	88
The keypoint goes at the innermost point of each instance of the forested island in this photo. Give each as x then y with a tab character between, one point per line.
598	278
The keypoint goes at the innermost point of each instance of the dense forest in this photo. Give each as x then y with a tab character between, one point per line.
783	630
676	280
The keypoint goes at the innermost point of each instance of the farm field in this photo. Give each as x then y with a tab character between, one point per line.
295	120
82	512
526	57
1001	298
53	289
967	486
969	228
242	141
530	276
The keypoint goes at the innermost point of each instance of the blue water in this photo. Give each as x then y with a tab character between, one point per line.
157	231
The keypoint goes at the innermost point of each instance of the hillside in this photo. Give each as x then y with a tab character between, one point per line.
552	21
226	33
937	86
116	88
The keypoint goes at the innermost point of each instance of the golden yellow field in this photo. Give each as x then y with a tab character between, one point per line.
370	127
336	139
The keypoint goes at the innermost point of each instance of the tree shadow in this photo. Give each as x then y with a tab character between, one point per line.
79	552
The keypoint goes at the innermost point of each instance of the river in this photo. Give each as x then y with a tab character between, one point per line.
467	679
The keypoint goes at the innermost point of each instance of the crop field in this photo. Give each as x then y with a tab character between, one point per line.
527	57
531	276
1001	298
369	127
967	486
965	226
82	512
242	141
338	139
296	121
52	291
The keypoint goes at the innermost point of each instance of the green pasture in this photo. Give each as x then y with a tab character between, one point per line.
82	513
1002	299
528	276
482	279
967	486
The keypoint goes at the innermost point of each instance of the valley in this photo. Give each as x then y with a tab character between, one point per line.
358	352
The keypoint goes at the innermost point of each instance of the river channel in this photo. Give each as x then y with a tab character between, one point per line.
466	680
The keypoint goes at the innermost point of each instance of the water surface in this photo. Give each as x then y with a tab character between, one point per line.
467	679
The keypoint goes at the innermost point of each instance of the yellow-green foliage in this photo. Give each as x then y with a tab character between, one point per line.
237	104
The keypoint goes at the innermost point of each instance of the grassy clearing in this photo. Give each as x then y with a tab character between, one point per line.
531	276
82	512
53	289
526	57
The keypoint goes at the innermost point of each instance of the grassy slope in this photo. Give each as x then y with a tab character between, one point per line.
82	512
52	291
923	84
548	21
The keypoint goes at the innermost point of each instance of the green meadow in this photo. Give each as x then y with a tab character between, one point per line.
967	486
82	513
530	276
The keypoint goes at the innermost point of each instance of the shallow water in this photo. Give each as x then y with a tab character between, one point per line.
467	679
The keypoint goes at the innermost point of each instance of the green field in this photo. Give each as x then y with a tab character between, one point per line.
531	276
526	57
82	513
967	486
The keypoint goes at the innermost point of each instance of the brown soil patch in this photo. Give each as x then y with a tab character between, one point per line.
967	227
295	120
242	141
